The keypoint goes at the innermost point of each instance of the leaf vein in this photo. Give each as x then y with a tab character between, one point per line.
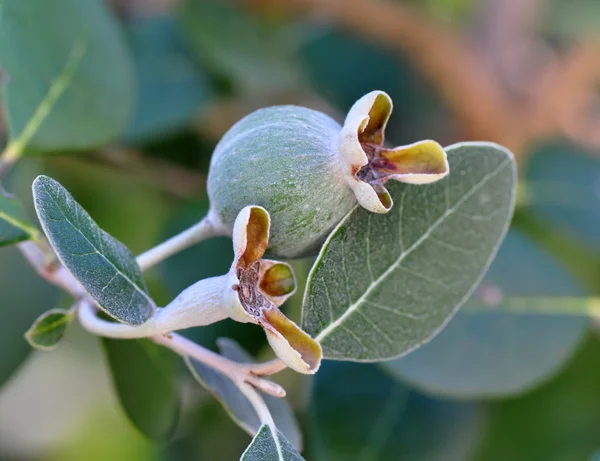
352	308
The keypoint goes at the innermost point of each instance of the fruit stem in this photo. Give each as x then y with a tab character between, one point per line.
185	239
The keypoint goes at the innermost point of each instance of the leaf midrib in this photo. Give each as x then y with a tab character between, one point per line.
66	317
136	287
352	308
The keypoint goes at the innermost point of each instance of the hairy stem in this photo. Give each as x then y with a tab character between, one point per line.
241	374
47	267
229	368
195	234
199	305
259	405
8	159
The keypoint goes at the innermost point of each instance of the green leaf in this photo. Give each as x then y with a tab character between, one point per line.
101	264
385	284
14	227
70	79
25	296
359	413
484	352
267	446
48	329
235	45
557	422
562	188
236	404
146	380
171	87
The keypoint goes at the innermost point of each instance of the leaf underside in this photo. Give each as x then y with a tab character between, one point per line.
236	404
105	267
145	378
385	284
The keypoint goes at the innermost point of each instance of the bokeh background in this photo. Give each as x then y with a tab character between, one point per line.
523	73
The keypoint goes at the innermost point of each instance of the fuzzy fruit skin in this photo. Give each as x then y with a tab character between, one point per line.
285	159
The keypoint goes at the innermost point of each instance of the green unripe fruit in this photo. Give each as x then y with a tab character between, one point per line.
285	159
308	171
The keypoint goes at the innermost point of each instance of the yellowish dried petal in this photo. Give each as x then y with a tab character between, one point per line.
251	235
367	117
291	344
420	163
277	280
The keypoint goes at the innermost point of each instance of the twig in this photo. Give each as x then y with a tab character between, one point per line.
259	405
195	234
50	269
238	374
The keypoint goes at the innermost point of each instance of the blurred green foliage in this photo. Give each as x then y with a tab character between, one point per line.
167	82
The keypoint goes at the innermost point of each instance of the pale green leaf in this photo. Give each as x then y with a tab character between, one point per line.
145	377
105	267
236	404
48	329
487	352
70	81
267	446
385	284
14	227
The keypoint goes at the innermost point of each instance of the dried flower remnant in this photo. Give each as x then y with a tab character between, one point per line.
368	164
256	288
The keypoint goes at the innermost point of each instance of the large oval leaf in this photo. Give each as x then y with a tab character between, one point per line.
68	67
557	422
358	412
562	188
485	352
146	380
385	284
105	267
